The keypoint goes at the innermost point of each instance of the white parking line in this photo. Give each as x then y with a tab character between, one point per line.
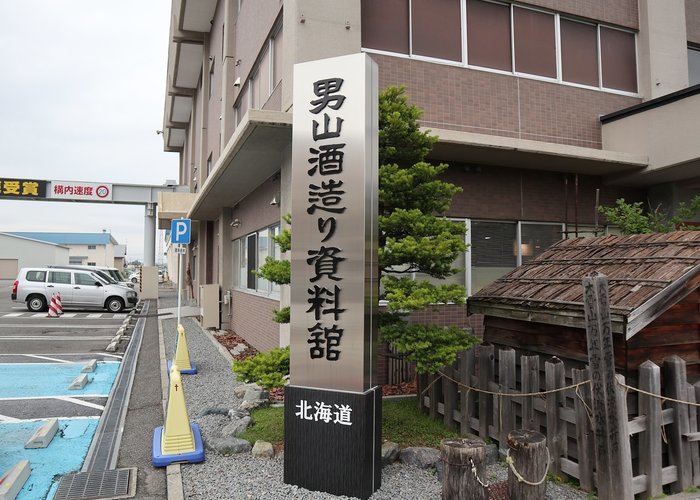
6	419
38	315
68	354
47	358
94	417
94	316
53	337
58	324
69	315
12	315
120	316
27	398
69	399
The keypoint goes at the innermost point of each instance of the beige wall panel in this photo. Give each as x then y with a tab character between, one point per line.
9	269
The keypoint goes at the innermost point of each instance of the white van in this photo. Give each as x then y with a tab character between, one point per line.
79	288
110	274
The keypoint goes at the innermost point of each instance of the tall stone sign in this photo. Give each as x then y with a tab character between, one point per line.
333	405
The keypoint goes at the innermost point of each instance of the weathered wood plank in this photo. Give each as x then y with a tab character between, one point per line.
449	395
554	370
584	431
612	445
506	378
433	394
529	382
676	385
486	372
650	451
466	370
693	428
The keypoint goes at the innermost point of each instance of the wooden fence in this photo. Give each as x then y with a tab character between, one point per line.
489	392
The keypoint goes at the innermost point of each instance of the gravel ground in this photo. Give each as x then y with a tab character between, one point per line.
243	477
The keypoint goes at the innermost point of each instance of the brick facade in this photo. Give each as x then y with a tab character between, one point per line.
251	318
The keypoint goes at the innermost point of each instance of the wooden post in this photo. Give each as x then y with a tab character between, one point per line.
612	443
554	379
464	469
676	386
486	368
692	430
506	382
449	395
530	382
650	453
584	430
528	451
466	368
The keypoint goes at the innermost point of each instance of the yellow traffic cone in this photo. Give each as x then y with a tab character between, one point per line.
178	440
182	354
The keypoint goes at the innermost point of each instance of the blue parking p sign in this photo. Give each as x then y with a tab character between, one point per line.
180	231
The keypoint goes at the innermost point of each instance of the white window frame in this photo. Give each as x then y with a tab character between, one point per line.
240	246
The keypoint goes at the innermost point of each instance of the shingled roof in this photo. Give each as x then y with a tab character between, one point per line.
647	274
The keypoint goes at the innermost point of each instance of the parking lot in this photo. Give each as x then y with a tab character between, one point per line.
39	357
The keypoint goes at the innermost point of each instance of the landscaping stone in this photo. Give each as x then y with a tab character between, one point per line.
236	413
250	405
240	390
228	445
491	454
216	411
390	453
263	449
421	457
255	394
236	427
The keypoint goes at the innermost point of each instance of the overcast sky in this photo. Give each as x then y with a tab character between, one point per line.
82	86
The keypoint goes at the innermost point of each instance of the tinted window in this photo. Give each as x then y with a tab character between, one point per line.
488	33
36	276
385	25
618	58
693	66
579	52
437	29
59	277
535	46
84	279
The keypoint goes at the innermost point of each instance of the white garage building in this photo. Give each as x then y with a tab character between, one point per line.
17	252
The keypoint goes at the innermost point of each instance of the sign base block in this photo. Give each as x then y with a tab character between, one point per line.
328	448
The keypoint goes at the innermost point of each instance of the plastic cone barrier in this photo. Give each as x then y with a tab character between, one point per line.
53	312
178	440
59	305
182	354
177	434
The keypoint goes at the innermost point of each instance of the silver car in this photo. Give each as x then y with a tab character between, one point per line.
78	289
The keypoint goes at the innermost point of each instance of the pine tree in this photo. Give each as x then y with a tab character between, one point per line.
413	239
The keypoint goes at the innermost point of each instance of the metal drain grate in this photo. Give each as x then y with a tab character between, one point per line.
114	483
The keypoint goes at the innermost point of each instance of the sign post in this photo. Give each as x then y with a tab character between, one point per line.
333	405
180	234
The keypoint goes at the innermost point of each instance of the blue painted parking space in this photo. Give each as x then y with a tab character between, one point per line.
31	383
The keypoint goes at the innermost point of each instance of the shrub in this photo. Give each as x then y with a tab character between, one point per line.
267	369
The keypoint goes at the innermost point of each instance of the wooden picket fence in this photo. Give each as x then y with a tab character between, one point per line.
489	392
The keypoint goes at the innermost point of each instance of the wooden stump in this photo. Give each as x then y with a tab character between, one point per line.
528	449
459	458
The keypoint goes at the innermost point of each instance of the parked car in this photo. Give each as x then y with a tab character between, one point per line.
110	274
79	288
134	277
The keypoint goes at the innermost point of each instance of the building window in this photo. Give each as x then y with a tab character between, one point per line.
92	247
436	29
92	263
693	66
618	59
75	260
579	52
535	238
264	76
209	164
488	35
534	42
242	104
211	79
277	43
249	253
385	25
520	40
491	251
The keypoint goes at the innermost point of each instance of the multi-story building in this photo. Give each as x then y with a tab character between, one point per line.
545	109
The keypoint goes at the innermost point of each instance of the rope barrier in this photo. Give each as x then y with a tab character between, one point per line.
519	477
478	479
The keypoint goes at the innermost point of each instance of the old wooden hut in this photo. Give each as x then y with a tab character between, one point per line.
654	288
